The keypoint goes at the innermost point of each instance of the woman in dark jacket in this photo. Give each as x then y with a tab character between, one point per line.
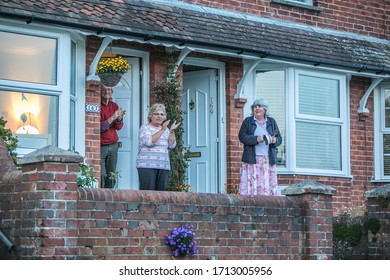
260	135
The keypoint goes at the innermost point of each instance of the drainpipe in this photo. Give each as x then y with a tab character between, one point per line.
8	243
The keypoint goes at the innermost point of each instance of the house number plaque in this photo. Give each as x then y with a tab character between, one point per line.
92	108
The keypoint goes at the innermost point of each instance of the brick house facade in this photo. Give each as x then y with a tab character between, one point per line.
357	30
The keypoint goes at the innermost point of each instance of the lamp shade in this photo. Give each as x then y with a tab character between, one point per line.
27	124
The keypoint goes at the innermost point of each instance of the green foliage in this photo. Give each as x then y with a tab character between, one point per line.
11	142
383	201
351	234
372	225
169	93
114	176
85	177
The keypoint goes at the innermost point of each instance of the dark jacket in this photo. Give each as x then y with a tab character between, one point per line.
248	138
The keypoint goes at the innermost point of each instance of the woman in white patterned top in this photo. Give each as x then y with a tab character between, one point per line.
155	138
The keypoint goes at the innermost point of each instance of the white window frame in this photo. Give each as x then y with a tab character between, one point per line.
306	2
292	115
341	121
379	130
62	88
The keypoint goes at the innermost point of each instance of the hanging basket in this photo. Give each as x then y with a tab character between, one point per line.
110	79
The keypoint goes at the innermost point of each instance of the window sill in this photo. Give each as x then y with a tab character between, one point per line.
299	5
380	181
285	172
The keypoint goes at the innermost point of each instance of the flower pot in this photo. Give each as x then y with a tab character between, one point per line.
110	79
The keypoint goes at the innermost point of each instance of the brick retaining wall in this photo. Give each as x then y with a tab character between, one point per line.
51	218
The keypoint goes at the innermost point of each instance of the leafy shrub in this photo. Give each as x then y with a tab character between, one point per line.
169	93
372	225
11	142
85	176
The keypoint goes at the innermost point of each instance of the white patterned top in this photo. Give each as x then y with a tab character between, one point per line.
155	155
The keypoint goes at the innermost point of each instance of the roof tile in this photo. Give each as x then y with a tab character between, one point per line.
198	25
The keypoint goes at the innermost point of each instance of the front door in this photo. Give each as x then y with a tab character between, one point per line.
200	111
127	95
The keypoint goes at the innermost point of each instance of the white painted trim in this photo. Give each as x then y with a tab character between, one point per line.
64	54
80	97
182	56
363	100
145	87
342	120
292	115
92	68
379	127
61	89
248	71
378	142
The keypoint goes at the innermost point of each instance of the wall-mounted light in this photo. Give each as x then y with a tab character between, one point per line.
27	124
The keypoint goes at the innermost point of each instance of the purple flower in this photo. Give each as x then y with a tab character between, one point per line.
182	241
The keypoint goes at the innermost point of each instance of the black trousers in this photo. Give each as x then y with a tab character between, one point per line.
153	179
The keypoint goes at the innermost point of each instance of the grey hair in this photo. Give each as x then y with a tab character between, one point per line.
262	103
154	108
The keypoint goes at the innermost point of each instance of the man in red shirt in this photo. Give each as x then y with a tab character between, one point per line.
111	120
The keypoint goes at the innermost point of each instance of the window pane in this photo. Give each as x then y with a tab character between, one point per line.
73	69
270	86
318	146
28	58
386	154
72	140
387	107
33	117
319	96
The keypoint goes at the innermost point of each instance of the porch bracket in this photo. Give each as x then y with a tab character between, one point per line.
363	100
92	68
240	86
182	56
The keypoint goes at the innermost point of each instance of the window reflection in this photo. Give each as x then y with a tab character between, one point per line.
32	117
270	86
28	58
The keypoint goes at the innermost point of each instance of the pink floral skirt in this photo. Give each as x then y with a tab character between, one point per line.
259	178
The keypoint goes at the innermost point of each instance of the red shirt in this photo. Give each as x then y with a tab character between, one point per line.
108	134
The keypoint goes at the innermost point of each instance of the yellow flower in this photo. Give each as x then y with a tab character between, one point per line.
233	189
113	65
184	188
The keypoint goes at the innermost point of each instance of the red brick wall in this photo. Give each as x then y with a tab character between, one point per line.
234	118
53	219
115	224
92	120
349	190
356	16
379	243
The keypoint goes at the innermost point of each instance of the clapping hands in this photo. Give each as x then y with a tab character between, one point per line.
173	126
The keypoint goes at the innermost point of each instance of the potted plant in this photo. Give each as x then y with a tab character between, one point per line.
85	178
111	70
114	176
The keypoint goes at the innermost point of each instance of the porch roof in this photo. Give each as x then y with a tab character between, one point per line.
182	24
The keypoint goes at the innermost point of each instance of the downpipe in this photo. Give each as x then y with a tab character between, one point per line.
8	243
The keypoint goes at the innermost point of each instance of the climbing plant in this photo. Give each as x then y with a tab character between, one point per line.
11	141
169	93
